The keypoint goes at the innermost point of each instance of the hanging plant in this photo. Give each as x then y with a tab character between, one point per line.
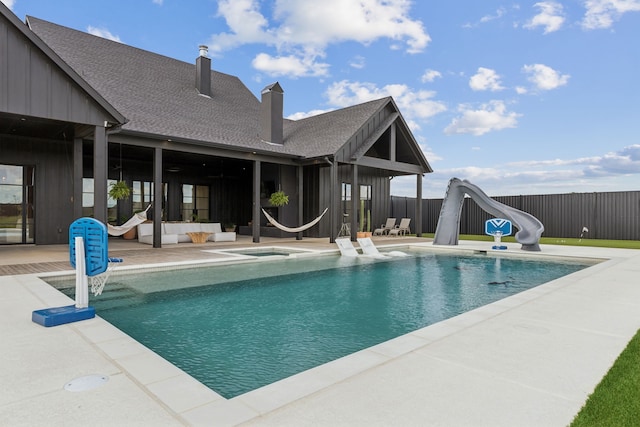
119	190
278	198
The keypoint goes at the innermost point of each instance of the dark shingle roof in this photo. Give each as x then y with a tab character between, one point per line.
325	133
157	95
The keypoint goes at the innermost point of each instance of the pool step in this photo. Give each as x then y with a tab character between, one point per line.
116	296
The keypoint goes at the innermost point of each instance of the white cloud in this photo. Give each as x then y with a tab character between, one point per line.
485	79
551	17
489	117
500	12
304	115
104	33
544	77
290	66
602	13
430	75
305	28
357	62
8	3
623	162
414	105
158	2
247	25
334	21
608	172
553	162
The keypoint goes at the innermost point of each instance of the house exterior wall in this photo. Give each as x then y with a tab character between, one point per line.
32	85
319	183
53	161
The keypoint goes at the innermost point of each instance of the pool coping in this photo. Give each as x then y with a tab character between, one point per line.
170	386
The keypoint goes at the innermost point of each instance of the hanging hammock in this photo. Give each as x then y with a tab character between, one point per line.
296	229
119	230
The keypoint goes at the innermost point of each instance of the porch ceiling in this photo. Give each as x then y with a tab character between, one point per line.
26	126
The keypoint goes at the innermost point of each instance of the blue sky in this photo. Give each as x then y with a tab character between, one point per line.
518	97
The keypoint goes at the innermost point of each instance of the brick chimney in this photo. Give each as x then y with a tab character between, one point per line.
203	72
271	114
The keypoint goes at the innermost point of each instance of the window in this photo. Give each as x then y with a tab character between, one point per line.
195	202
88	200
365	208
346	202
141	195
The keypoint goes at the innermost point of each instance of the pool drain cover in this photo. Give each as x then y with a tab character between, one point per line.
86	383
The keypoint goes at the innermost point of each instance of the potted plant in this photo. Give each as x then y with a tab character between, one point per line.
133	232
279	198
119	190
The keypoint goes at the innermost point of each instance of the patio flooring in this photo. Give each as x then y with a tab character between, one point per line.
528	360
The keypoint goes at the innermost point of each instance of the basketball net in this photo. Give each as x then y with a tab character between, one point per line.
98	281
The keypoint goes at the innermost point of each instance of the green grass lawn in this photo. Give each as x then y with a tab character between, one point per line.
601	243
616	400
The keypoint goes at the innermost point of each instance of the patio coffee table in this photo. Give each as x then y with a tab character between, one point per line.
199	236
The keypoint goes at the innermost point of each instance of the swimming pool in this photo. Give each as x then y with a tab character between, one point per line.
236	328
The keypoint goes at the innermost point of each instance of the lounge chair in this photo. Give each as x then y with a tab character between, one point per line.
401	229
385	228
346	247
369	249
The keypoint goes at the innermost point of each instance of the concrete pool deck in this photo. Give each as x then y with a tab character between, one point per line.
528	360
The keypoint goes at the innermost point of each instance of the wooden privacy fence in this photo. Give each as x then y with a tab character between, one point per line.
614	215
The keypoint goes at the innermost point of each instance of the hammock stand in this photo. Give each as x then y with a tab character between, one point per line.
293	229
119	230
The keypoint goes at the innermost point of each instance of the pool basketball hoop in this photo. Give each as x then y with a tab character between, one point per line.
498	227
88	254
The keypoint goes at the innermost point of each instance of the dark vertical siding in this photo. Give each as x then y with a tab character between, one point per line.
33	85
380	188
312	186
614	215
53	161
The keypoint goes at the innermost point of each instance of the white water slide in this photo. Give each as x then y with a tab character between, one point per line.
529	227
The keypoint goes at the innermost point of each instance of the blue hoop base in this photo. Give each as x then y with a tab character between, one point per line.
60	315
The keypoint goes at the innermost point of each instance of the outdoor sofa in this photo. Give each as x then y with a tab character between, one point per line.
176	232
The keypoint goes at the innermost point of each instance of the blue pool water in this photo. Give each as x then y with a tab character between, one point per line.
235	336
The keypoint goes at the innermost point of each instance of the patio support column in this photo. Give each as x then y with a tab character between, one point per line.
256	202
300	178
355	199
100	165
419	205
333	210
77	178
157	197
